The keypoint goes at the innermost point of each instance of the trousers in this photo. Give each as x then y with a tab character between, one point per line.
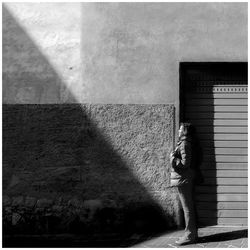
186	197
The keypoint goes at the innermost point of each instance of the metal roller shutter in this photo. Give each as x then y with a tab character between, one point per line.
216	103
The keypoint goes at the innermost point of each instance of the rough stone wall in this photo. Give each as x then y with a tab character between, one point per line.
93	161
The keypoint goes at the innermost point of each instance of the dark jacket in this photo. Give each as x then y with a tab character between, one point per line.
182	171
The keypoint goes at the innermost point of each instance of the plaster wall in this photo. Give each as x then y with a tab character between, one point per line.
113	52
41	52
131	51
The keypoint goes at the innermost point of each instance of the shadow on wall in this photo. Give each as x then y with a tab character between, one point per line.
198	108
68	168
27	75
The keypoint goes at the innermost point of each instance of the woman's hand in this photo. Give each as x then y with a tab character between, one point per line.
172	154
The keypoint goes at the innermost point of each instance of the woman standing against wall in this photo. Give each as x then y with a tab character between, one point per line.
185	160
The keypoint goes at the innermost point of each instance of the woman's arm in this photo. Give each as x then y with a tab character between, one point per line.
185	151
172	157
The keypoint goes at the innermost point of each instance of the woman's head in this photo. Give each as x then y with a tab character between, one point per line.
186	129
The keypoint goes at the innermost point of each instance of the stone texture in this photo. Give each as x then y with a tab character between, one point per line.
39	210
81	156
17	201
91	207
92	204
43	203
16	217
75	203
118	145
8	209
57	208
6	200
30	202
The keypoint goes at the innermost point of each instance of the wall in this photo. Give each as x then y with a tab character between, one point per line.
131	51
118	52
87	168
57	56
41	52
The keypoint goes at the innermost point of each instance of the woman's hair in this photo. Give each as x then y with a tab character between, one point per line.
188	129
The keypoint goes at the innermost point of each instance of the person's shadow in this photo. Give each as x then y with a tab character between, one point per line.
225	236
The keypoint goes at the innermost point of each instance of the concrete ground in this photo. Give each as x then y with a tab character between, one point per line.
209	237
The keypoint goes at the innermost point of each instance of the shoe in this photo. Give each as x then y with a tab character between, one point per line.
185	241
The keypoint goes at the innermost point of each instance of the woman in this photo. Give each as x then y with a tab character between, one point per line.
184	161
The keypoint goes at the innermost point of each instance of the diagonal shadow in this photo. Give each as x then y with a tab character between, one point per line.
224	236
56	153
200	112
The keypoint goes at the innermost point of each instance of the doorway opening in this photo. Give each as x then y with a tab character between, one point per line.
213	97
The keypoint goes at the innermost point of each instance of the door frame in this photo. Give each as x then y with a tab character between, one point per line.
183	66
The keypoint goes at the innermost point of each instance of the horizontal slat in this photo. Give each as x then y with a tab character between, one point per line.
225	151
221	205
223	122
224	144
207	102
226	181
221	189
222	129
223	165
225	158
232	221
223	221
223	213
212	115
224	137
212	108
221	197
215	95
225	173
232	85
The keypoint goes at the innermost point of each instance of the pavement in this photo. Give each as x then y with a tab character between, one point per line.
209	237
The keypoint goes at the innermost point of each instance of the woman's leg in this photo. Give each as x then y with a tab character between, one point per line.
186	198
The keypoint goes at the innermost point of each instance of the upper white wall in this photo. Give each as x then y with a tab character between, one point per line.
113	52
41	52
131	51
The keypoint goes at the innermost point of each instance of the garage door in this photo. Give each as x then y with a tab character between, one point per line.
214	99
